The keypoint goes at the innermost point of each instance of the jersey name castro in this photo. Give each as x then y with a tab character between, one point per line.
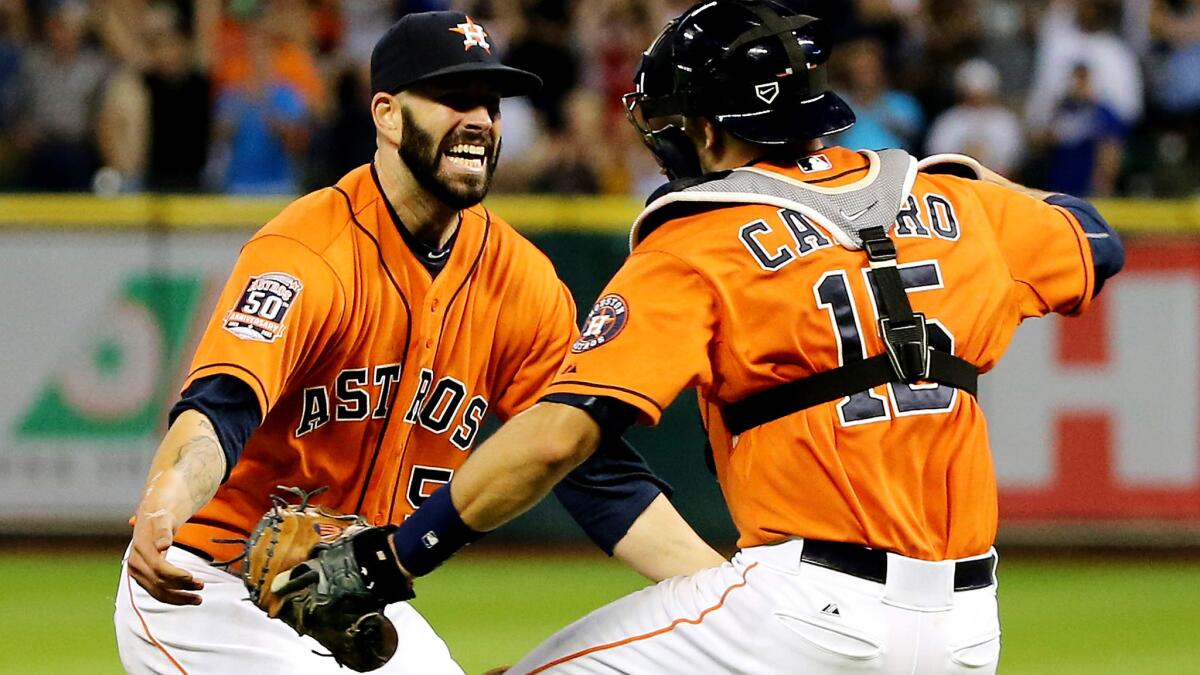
362	393
777	244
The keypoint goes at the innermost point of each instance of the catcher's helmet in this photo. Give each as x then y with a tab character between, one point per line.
755	67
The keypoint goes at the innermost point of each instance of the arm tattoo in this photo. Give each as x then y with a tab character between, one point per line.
202	465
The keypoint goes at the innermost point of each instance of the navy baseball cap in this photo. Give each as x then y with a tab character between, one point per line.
435	45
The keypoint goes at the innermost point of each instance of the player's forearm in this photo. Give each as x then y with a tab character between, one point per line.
519	465
660	544
995	178
187	468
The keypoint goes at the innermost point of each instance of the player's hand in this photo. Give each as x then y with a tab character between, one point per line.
153	534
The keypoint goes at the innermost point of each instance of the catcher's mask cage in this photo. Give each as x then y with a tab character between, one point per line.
755	67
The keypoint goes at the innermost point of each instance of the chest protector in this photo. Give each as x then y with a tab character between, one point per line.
859	217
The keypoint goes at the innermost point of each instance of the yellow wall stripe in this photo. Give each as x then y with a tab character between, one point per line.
601	215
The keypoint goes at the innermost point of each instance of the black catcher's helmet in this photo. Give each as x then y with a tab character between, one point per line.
755	67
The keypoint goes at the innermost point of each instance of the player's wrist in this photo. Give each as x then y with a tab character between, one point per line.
376	559
431	535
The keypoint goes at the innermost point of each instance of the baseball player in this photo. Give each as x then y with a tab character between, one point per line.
362	337
833	310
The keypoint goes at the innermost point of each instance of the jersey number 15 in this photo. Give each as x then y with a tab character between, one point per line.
832	292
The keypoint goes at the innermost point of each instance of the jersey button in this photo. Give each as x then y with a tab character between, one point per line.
433	305
429	343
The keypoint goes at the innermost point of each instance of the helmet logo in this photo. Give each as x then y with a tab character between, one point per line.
767	92
473	35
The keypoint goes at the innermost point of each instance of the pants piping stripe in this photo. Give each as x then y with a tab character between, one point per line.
665	629
146	628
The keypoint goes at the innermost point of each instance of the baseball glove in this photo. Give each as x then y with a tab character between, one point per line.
286	536
338	597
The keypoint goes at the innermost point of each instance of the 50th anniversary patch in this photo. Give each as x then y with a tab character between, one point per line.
603	323
264	305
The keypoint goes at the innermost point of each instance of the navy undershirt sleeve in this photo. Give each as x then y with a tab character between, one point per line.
231	406
1108	253
614	486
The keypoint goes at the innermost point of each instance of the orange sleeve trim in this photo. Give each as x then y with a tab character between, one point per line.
149	635
645	636
233	370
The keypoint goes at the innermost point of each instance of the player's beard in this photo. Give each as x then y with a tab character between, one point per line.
423	156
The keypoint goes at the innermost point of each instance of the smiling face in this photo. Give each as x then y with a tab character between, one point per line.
450	139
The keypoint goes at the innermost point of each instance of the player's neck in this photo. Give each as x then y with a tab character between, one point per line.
423	215
733	153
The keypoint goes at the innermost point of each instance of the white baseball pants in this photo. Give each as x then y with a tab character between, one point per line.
765	612
228	634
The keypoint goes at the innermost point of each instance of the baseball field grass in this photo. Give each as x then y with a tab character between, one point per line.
1060	616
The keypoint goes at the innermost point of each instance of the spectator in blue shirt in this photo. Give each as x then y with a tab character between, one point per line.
887	118
261	132
1086	141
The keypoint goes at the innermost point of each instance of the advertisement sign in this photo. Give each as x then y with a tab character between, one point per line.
1098	416
1092	419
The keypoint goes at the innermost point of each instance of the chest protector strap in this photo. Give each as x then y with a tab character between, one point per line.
858	217
907	357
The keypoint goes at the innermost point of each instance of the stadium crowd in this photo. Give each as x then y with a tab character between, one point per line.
1091	97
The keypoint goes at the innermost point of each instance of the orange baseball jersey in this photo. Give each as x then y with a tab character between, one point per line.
372	377
741	298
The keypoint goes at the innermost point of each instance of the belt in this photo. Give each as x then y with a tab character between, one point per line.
871	564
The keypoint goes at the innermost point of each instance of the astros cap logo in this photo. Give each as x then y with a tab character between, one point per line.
473	35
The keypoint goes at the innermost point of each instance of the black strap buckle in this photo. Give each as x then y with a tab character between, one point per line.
907	347
878	246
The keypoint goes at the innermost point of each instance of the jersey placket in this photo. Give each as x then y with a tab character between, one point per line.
431	302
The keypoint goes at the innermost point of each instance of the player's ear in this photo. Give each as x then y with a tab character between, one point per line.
712	136
385	110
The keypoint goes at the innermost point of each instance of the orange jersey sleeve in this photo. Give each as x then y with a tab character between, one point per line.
280	306
553	321
647	338
1045	248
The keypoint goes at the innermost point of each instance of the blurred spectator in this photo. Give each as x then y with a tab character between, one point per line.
544	47
122	123
283	28
884	20
1084	33
953	34
614	33
348	139
1086	138
1008	44
179	93
125	94
887	118
363	23
13	35
62	82
572	162
261	130
979	126
1176	26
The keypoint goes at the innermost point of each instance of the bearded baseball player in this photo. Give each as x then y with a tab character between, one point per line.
833	310
361	338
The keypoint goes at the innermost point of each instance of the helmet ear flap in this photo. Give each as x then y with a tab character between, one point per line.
669	144
674	151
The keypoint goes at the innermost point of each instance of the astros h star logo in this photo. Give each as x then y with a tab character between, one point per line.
473	35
